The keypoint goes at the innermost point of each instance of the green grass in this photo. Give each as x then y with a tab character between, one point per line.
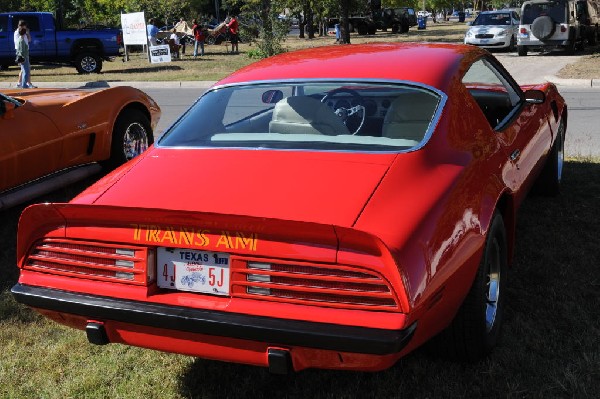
552	327
549	347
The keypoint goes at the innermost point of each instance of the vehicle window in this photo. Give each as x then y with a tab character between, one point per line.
3	23
492	19
346	116
555	10
494	94
33	23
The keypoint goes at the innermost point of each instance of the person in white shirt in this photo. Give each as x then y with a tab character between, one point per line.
175	37
175	44
27	38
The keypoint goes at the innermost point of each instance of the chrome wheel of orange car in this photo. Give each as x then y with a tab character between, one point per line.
135	140
132	135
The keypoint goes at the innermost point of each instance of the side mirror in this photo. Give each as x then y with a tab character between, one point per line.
535	96
272	96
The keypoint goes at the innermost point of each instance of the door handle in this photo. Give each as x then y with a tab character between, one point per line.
515	155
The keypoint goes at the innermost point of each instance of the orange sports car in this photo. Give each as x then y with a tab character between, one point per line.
53	137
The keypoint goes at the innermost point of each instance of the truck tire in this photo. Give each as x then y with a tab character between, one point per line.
522	51
88	63
395	28
371	29
362	29
404	26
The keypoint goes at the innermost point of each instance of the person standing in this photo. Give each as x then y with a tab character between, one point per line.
199	37
16	36
152	32
233	28
23	58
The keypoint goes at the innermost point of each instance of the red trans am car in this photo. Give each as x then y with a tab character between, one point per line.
334	208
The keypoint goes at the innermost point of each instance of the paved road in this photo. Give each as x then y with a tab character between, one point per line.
536	67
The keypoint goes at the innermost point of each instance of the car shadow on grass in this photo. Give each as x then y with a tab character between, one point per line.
551	326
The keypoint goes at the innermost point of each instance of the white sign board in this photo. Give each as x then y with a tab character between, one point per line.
134	29
160	53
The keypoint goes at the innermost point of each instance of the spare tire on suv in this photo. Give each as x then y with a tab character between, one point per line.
543	27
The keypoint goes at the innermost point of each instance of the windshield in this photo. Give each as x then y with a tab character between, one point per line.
4	97
312	115
555	10
492	19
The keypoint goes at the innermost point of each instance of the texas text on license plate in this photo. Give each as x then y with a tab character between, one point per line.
191	270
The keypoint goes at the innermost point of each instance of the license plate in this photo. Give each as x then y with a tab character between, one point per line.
191	270
484	41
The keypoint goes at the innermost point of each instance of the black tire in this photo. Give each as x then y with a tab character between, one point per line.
131	136
549	181
395	28
88	63
543	27
570	48
522	51
404	27
475	330
512	45
362	29
3	67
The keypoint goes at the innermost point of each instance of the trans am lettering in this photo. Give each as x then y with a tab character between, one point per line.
168	235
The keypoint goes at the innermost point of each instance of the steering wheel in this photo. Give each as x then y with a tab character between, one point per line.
344	113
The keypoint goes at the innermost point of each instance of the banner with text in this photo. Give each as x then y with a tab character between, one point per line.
134	28
160	53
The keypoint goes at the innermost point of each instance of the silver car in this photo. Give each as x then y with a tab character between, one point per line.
494	29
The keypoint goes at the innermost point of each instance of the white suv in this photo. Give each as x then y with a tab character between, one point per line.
549	24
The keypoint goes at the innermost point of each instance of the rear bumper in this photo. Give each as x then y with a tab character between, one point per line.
334	337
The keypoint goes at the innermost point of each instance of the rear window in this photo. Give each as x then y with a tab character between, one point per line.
555	10
309	115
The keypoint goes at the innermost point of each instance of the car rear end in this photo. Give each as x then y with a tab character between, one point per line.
545	24
280	294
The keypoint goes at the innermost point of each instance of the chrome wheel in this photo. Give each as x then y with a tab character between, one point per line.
560	153
493	285
135	140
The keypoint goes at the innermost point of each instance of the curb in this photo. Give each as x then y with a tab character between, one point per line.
202	84
573	82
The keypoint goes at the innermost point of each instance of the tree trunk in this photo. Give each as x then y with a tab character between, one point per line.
310	22
344	22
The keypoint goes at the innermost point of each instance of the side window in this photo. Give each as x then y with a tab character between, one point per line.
3	23
492	91
33	22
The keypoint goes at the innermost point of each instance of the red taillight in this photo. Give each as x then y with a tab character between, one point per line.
523	30
124	263
563	29
328	285
120	38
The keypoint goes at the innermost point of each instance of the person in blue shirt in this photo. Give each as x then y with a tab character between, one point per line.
152	32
